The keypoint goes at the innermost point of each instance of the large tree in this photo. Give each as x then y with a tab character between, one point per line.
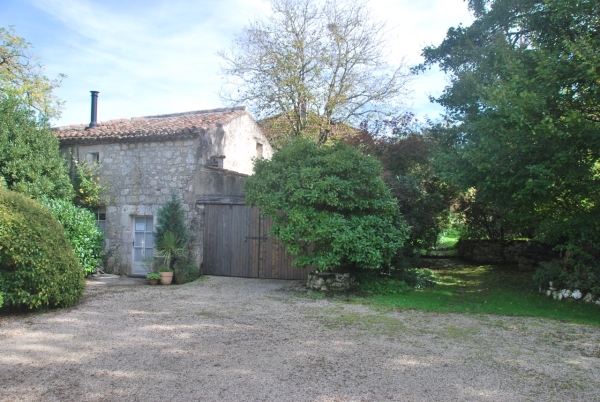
523	114
30	160
314	65
22	75
405	151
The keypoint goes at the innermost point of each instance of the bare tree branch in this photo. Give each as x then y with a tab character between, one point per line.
316	65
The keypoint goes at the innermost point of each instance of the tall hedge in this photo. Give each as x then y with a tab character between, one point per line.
37	265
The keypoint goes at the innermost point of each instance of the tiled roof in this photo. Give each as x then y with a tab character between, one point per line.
188	124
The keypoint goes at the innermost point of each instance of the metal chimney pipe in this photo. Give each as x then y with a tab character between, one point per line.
94	121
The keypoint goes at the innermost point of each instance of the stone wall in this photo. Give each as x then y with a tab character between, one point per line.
139	178
329	281
527	254
239	149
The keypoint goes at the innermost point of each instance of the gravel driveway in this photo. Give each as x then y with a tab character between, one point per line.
235	339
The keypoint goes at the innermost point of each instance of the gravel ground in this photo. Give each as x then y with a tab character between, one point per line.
235	339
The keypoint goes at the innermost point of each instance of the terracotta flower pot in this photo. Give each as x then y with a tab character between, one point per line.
166	278
153	281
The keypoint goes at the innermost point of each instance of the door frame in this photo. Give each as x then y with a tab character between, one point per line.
141	268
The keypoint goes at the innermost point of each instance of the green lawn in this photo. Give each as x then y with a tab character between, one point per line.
488	289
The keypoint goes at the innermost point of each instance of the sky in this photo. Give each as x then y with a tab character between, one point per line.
149	57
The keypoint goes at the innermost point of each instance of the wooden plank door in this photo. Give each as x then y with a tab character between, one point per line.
275	263
237	243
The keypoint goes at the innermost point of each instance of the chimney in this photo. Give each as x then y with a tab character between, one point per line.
94	121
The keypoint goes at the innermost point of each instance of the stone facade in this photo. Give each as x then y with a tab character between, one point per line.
141	169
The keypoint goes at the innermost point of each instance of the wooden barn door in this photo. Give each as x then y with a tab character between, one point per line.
236	243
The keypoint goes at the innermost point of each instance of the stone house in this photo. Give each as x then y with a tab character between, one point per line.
201	156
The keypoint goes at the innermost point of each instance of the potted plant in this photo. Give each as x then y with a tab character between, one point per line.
153	277
169	248
166	275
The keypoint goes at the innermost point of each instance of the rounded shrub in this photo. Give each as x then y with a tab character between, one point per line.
37	265
82	232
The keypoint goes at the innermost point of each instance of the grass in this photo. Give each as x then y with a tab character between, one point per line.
488	289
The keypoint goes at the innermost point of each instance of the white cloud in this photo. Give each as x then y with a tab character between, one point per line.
156	56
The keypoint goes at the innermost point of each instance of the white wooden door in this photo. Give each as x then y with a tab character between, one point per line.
143	244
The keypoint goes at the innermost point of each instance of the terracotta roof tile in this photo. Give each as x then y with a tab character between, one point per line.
148	127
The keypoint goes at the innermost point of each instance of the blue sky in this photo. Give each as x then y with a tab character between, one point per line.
150	57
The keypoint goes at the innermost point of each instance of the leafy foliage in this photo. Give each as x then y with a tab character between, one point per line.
37	265
405	154
571	273
30	161
86	183
171	218
314	64
329	206
185	272
523	115
395	281
170	248
81	230
22	76
373	283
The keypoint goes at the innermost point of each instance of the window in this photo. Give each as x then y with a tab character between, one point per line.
259	150
92	157
101	218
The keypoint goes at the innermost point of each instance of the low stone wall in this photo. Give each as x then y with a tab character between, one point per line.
329	281
576	294
527	254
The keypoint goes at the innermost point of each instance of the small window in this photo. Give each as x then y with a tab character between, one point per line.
92	157
259	150
101	218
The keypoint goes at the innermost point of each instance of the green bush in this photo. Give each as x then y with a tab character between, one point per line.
374	283
185	273
418	278
185	269
82	232
37	265
571	272
329	206
394	281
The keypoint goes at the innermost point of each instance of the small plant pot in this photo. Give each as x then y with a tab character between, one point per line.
153	281
166	278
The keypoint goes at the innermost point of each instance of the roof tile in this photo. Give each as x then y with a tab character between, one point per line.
148	127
